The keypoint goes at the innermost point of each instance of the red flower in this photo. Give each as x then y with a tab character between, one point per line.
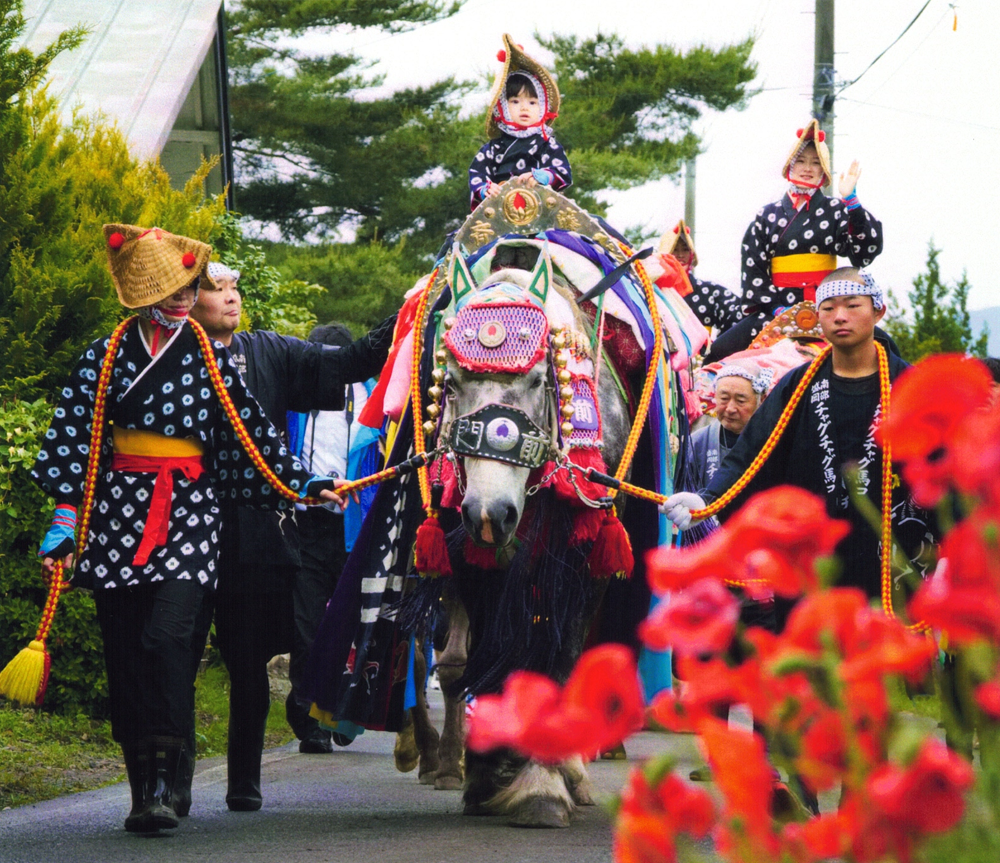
929	402
649	819
927	796
772	542
976	449
972	551
820	838
823	759
882	645
966	614
605	688
600	705
699	619
988	698
827	617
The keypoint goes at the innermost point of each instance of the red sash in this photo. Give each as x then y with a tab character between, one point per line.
156	531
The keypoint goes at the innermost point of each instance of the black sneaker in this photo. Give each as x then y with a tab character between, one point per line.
317	743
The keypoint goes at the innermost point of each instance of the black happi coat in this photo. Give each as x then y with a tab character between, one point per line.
825	226
505	157
808	456
287	374
714	305
170	395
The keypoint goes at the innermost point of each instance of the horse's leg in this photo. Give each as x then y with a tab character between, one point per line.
578	783
451	665
424	733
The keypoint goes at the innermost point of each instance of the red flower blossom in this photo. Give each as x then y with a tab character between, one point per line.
742	773
988	698
882	645
771	543
699	619
976	448
649	819
929	402
827	617
820	838
966	614
927	796
972	551
600	705
823	759
784	530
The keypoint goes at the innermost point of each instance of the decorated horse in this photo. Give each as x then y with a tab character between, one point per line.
527	368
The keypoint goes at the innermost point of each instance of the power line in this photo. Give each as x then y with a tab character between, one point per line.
884	50
923	114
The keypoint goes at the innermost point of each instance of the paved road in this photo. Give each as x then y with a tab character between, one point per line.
351	806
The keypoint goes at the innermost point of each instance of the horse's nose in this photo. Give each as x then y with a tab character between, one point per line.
492	522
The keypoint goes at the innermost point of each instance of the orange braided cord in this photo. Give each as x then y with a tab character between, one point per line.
365	481
416	401
883	377
772	441
649	385
215	375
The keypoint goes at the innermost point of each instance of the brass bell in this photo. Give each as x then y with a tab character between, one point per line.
566	393
430	427
438	376
559	340
449	323
564	376
433	411
568	410
441	356
560	360
435	393
566	428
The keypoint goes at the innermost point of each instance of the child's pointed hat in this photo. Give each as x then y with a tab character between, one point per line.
679	237
149	264
810	134
515	60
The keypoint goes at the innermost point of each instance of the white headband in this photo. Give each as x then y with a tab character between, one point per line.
759	382
215	270
848	288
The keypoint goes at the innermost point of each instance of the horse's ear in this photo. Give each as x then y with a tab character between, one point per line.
459	277
541	278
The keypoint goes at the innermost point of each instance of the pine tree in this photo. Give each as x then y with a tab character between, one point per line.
938	320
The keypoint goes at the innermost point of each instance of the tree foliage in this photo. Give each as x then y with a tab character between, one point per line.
938	319
319	152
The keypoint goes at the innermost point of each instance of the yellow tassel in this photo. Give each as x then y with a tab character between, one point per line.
25	675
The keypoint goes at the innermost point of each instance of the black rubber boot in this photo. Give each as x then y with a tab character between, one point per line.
185	775
137	766
243	754
165	756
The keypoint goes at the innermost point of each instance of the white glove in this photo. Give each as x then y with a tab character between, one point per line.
678	508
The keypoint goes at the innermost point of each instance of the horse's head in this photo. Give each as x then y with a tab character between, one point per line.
502	414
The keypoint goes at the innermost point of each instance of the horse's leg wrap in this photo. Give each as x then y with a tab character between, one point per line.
451	666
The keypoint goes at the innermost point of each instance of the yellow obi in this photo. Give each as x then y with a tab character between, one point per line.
147	443
801	271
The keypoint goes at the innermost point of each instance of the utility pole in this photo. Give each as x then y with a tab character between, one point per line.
823	74
689	177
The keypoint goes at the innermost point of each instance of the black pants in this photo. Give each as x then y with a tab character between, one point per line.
149	645
321	546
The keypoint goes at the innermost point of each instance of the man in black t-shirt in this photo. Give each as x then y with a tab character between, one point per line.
832	428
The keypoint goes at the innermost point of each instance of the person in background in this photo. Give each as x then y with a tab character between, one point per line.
792	244
259	564
343	445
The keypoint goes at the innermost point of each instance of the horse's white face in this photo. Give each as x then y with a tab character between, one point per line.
495	491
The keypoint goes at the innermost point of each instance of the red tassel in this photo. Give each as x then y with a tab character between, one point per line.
612	551
430	554
585	457
586	525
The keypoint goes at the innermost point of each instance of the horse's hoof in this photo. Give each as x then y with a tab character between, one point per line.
540	812
448	783
405	752
428	778
581	794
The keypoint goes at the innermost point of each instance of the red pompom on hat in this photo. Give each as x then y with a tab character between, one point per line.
798	133
502	55
189	260
821	135
116	241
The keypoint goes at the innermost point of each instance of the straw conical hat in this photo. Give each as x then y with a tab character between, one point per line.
679	236
811	134
149	264
515	60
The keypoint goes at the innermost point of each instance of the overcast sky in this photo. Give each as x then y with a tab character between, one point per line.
924	122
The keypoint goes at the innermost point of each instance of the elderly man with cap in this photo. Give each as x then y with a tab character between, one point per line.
832	428
178	433
257	613
740	387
